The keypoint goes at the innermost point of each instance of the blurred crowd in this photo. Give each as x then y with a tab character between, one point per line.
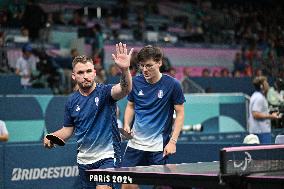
254	27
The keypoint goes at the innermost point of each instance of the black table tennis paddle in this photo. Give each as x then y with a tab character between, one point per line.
55	139
125	134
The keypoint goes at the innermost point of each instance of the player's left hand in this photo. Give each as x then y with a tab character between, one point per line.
169	149
47	143
122	59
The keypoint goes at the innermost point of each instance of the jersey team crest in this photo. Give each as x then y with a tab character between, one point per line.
97	101
160	94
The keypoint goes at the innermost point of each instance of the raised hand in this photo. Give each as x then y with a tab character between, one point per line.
122	59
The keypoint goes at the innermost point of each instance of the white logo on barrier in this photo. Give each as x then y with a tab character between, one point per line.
19	174
244	164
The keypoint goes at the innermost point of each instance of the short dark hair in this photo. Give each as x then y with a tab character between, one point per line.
150	52
81	59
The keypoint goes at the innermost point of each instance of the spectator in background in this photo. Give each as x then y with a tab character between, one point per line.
113	74
100	74
254	60
77	19
4	19
189	86
239	64
4	65
166	65
25	32
237	74
4	135
98	45
59	19
258	72
216	73
259	117
139	27
172	72
26	65
124	23
206	73
15	11
134	64
270	64
225	73
34	19
274	95
67	70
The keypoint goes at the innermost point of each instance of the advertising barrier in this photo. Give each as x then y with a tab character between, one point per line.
30	165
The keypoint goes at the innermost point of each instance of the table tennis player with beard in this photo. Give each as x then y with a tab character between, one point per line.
90	113
151	103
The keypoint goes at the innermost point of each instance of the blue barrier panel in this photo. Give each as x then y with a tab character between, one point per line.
10	84
30	165
23	117
20	108
227	85
197	152
232	117
54	114
214	112
1	166
231	138
28	118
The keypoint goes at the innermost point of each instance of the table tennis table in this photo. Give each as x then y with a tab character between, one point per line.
186	175
251	167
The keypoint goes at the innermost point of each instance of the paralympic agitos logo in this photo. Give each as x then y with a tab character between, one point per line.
243	165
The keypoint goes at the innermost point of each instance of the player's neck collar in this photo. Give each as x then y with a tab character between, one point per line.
156	80
89	91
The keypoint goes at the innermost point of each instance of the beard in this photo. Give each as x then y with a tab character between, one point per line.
86	85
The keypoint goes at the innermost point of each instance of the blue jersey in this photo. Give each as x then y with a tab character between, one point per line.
154	108
94	119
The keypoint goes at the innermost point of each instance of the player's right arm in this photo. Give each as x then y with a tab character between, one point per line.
128	116
260	115
64	133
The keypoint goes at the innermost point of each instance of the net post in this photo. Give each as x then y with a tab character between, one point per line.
223	165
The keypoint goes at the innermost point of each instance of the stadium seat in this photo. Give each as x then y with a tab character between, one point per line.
279	139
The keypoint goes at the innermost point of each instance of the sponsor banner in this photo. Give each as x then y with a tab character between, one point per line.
20	174
30	165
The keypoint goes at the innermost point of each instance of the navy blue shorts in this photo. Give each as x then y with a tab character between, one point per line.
102	164
133	157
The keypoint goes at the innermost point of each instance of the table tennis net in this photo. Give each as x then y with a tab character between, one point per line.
251	159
